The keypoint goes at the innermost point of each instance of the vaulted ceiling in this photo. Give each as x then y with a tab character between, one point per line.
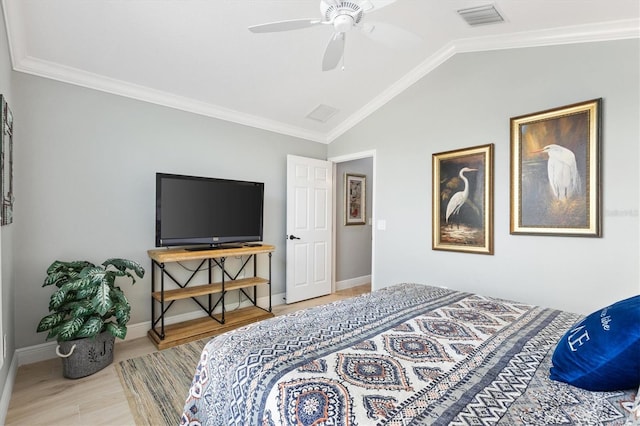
199	56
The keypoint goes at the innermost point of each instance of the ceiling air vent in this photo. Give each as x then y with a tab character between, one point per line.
322	113
481	15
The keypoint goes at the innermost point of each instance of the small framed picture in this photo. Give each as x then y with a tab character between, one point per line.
463	200
555	171
355	202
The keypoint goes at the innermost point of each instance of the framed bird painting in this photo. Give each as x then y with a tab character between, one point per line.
462	200
555	171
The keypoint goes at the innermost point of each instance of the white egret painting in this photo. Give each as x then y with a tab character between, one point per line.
555	181
462	200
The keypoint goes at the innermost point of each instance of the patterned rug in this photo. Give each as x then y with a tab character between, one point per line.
157	384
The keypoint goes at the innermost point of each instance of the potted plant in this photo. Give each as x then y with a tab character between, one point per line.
87	312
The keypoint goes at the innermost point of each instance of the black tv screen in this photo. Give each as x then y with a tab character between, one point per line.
193	210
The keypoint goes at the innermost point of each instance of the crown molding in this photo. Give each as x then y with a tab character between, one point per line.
15	33
608	31
604	31
81	78
22	62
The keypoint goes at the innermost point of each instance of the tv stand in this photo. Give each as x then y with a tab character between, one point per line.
210	297
213	247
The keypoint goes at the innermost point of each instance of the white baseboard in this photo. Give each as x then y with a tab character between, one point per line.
353	282
36	353
45	351
8	389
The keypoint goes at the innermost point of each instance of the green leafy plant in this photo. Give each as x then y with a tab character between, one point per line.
87	301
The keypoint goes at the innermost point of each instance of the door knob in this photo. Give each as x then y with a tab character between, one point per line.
293	237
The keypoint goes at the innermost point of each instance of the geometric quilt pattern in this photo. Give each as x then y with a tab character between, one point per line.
416	348
406	354
453	330
314	401
471	316
379	406
372	371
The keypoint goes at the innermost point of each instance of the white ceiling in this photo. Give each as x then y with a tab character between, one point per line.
198	56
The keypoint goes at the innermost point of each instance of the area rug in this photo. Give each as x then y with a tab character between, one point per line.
156	385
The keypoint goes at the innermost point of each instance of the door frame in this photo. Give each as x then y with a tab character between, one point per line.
342	159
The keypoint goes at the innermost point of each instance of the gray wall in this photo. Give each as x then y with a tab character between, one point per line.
353	242
85	164
85	182
468	101
6	232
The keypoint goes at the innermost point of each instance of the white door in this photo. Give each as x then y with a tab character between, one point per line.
309	224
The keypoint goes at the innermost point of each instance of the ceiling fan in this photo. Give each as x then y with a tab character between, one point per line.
344	16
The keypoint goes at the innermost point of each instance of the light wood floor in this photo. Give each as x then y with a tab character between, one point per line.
41	396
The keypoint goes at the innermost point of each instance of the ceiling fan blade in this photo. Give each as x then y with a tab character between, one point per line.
334	51
294	24
391	35
370	5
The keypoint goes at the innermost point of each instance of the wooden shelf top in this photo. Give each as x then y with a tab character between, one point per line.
201	290
180	254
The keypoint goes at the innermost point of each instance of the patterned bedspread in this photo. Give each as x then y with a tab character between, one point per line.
407	354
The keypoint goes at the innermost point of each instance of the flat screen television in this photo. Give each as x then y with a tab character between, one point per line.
193	210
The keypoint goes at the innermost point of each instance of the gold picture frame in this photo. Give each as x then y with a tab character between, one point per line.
462	200
355	199
555	171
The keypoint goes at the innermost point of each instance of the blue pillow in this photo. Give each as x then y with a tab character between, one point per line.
602	352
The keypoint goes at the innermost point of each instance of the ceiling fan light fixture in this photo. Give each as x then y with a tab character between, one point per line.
332	10
322	113
343	23
481	15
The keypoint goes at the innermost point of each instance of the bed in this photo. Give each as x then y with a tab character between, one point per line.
406	354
